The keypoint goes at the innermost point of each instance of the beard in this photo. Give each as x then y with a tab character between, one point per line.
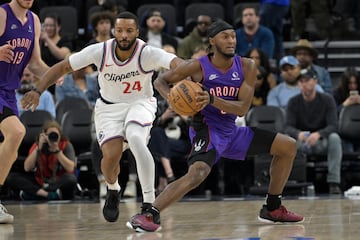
125	48
227	55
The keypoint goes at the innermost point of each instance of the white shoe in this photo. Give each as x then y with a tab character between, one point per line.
5	217
130	190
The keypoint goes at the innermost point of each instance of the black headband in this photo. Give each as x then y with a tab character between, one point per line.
217	27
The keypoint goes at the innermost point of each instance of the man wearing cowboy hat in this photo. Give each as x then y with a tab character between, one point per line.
306	55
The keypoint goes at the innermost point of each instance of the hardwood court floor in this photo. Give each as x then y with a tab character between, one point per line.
326	219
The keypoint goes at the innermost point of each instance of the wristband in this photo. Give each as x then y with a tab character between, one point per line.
37	91
55	152
211	97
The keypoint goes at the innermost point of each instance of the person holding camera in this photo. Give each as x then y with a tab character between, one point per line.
49	168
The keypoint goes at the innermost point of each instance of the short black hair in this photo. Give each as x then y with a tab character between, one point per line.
128	15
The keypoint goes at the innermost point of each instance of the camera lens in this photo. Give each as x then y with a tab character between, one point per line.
53	136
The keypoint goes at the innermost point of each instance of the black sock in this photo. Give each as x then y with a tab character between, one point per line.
154	211
273	201
145	207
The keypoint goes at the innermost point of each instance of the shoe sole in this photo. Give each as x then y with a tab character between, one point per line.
111	219
7	220
140	230
264	220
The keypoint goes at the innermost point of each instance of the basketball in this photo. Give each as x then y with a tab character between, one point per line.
182	97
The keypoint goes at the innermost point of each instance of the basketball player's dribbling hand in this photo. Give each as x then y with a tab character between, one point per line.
7	53
202	99
30	100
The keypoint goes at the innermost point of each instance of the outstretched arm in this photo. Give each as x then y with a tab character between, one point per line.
31	98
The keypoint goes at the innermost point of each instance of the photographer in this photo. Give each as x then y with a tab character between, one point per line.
52	157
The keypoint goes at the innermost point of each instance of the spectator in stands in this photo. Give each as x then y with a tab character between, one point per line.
290	69
253	35
272	14
318	10
311	118
306	55
54	48
197	37
261	59
200	51
78	84
52	157
152	30
101	23
262	88
27	83
346	94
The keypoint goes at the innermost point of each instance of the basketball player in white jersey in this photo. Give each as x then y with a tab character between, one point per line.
126	108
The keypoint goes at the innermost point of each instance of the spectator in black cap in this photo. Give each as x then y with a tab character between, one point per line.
311	118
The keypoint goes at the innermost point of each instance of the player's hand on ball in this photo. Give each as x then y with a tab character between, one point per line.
202	99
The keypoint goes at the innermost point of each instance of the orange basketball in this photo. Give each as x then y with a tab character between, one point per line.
182	97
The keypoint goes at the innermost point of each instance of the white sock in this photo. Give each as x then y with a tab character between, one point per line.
114	186
133	177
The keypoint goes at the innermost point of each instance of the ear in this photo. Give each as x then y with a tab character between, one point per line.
212	41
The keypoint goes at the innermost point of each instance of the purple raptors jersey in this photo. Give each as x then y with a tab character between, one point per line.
22	38
228	140
224	85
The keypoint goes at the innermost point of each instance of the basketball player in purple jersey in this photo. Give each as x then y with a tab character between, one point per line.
229	81
19	46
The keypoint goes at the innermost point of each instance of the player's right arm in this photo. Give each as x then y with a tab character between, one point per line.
89	55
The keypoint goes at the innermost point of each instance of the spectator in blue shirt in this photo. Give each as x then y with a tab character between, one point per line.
46	99
78	84
253	35
290	70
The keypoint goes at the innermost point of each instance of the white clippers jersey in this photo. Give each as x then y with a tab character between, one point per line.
124	82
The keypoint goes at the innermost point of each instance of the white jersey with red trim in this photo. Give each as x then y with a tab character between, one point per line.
123	81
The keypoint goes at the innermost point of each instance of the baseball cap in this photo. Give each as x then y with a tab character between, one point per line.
290	60
307	73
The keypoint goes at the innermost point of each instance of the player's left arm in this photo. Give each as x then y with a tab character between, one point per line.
246	93
36	65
